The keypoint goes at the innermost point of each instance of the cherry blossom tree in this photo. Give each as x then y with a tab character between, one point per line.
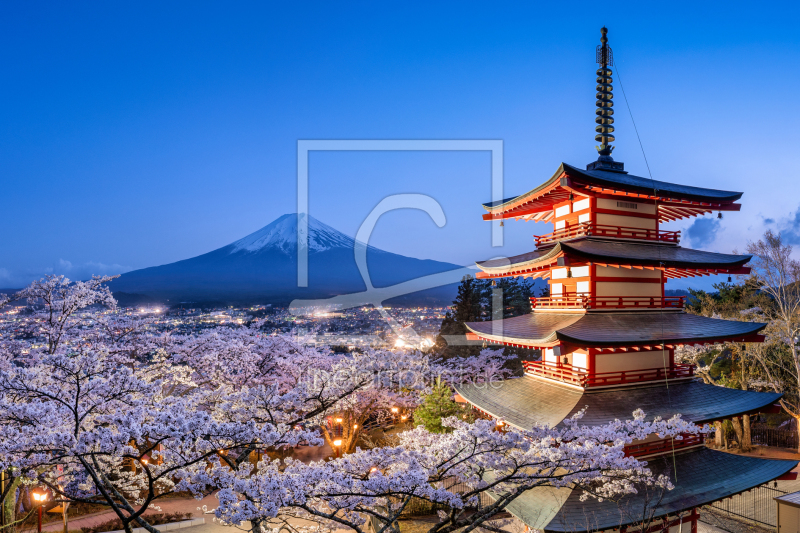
378	484
109	410
777	274
94	431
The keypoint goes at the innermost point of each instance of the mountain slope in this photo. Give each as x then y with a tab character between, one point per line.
262	268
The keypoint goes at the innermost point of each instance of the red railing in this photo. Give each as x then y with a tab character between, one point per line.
580	301
588	229
576	376
662	446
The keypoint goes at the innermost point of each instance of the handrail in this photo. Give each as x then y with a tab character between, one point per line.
578	376
585	301
663	445
588	229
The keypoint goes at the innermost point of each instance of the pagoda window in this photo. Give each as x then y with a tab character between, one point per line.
584	218
562	211
624	290
624	282
556	289
561	224
641	360
550	357
559	273
580	205
626	214
580	272
583	287
580	360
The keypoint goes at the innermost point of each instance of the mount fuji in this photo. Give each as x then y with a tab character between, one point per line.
262	268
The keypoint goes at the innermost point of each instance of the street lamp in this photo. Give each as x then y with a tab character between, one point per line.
338	445
39	496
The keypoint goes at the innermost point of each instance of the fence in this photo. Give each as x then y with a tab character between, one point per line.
778	437
755	506
761	435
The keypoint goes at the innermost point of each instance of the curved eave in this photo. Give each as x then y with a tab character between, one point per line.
678	261
667	256
614	330
534	260
680	200
515	201
637	329
540	332
527	402
700	477
646	186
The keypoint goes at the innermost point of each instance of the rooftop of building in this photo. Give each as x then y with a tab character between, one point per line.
528	401
619	181
700	476
633	328
605	251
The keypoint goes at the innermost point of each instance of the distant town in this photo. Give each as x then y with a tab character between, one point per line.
348	329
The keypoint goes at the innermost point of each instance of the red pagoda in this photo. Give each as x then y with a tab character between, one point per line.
607	333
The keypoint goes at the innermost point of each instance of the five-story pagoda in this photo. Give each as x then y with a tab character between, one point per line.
608	332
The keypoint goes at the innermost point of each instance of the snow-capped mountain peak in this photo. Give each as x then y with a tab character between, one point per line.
281	234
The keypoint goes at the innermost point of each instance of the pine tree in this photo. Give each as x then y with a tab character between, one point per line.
437	405
516	293
473	303
467	305
466	308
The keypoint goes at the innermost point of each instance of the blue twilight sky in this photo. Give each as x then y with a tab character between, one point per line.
140	133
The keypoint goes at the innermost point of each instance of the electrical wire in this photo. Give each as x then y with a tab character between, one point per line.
660	261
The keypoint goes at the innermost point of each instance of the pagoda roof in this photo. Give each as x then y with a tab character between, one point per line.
528	401
636	328
700	476
568	179
598	250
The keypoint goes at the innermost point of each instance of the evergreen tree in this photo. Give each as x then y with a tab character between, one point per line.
466	308
437	405
516	294
467	305
473	303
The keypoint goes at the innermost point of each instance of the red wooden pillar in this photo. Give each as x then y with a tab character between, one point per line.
693	517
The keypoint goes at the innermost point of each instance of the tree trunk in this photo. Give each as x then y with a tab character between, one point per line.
724	436
747	442
797	428
259	526
10	504
737	431
718	434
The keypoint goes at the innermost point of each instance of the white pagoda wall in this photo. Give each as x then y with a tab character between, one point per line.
617	362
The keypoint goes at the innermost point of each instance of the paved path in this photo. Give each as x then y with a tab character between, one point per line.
182	505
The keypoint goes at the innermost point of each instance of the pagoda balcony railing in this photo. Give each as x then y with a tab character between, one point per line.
585	301
577	376
588	229
663	445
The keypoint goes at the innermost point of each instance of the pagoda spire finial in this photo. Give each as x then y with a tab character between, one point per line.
605	108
